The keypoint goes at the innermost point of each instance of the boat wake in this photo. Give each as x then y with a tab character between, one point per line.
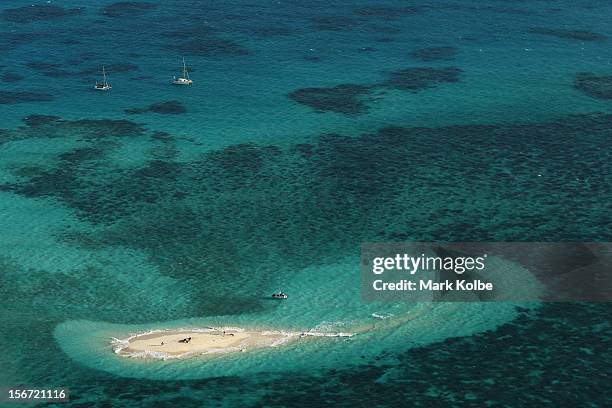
382	316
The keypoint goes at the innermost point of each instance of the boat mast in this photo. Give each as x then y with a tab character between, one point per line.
104	75
185	74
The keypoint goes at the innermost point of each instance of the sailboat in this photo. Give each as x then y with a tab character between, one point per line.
184	79
104	86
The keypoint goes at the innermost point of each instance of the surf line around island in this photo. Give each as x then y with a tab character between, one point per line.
165	344
179	343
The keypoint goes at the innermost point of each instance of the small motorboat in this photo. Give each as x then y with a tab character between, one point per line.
279	295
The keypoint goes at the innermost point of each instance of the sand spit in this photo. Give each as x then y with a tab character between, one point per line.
170	344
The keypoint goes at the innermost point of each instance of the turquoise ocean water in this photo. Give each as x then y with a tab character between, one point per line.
310	128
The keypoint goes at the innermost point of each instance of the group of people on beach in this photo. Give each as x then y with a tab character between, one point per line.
185	340
188	339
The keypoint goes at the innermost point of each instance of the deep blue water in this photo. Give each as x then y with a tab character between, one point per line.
310	128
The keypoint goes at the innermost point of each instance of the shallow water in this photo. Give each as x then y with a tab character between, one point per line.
114	222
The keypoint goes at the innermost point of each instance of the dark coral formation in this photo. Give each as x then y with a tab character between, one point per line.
434	53
55	70
199	31
203	39
346	98
274	31
110	68
372	17
484	8
49	69
12	97
40	120
334	23
126	9
345	176
557	372
599	87
315	202
418	79
383	29
11	40
11	77
209	46
42	65
48	126
582	35
164	108
385	12
141	78
37	12
352	99
312	58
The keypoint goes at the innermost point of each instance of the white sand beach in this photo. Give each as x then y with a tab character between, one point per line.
171	343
